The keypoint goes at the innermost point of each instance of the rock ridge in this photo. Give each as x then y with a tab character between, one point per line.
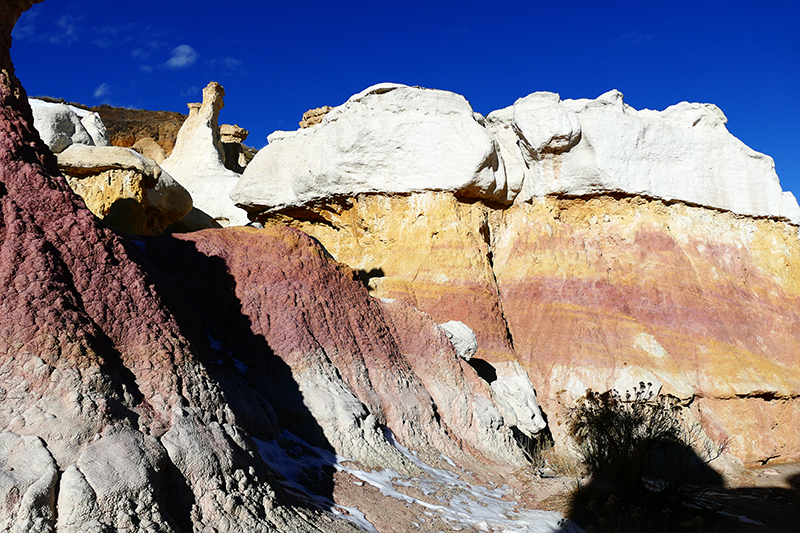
395	139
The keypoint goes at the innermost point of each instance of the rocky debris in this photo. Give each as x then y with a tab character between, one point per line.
126	126
148	147
312	117
197	161
599	293
394	139
127	191
235	155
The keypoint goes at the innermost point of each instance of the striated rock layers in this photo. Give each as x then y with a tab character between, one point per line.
141	378
596	291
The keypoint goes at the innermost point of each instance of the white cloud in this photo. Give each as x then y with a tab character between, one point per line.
102	90
182	56
67	30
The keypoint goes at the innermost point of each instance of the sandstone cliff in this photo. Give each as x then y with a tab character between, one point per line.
596	245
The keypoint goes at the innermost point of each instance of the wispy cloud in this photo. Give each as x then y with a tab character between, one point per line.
102	90
226	64
190	92
66	30
182	56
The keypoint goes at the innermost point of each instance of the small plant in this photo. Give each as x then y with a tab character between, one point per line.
646	464
639	443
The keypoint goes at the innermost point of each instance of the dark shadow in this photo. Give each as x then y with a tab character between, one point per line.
364	276
670	492
257	384
194	220
484	369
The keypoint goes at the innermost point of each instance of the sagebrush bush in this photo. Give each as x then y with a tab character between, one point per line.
640	443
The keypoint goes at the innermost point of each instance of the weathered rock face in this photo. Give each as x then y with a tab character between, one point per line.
127	191
386	139
140	379
580	147
312	117
232	136
59	126
126	127
596	293
148	147
197	161
393	139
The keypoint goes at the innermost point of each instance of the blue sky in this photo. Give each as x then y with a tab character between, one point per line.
276	60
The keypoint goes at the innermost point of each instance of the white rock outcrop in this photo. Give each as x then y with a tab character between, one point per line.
685	153
392	139
197	161
61	125
462	337
388	138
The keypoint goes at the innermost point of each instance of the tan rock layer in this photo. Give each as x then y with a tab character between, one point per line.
703	301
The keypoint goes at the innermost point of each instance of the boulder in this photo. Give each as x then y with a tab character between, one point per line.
60	126
148	147
127	191
197	161
463	338
388	139
96	129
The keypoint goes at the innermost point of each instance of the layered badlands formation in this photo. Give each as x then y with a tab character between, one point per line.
245	380
596	245
145	380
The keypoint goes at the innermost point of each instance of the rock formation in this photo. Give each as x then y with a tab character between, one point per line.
61	125
197	163
144	381
126	127
312	117
549	240
127	191
148	147
233	150
393	139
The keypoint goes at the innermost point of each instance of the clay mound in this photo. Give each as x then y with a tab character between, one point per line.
141	379
126	126
108	417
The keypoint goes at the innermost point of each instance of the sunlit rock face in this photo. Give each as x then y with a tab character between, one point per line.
198	163
599	293
605	247
394	139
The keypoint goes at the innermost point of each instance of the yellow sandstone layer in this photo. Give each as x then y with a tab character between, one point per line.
584	292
